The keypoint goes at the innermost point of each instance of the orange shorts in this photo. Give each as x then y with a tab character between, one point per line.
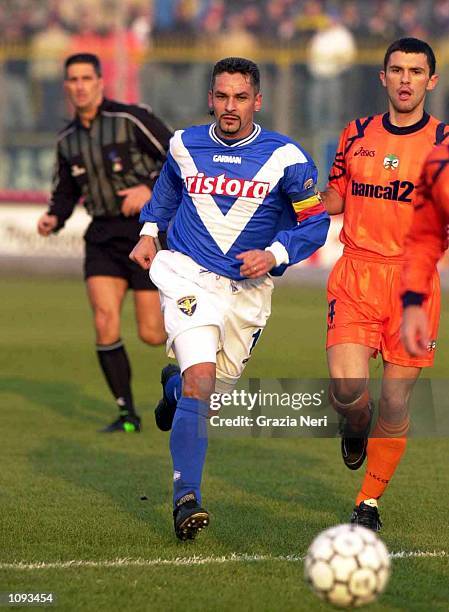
365	308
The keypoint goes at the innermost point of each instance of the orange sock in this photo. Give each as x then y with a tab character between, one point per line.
384	452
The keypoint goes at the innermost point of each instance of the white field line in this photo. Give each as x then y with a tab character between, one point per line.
195	560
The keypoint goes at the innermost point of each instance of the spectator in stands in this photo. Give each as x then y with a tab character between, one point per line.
252	18
331	52
382	23
440	18
351	18
48	47
212	19
410	21
18	112
184	23
140	22
378	17
236	37
164	11
118	49
313	18
92	26
274	15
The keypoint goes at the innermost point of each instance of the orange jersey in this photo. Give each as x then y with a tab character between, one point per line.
427	239
376	170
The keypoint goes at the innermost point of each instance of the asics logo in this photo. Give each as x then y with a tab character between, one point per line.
222	185
364	152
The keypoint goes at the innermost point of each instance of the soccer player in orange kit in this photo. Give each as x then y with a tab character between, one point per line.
373	182
424	246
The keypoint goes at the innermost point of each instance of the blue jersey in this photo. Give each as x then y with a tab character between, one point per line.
218	199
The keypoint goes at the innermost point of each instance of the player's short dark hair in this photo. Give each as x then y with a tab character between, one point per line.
412	45
237	65
83	58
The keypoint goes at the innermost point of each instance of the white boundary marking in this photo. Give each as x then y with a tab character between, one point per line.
195	560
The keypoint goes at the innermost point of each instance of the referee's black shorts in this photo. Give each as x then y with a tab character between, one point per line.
108	245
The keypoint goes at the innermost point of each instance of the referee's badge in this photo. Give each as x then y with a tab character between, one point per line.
187	305
76	170
116	160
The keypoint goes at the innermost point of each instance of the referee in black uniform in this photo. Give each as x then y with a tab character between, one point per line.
109	157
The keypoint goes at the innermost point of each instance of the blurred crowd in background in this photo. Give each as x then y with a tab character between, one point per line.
160	51
277	20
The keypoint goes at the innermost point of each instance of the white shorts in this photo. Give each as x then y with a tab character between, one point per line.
192	296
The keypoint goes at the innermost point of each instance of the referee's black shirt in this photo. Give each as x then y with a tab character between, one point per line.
124	146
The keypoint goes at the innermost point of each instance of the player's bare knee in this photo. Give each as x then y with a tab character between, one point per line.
347	390
394	409
199	381
152	336
107	325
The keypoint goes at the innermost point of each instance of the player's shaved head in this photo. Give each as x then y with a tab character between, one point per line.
233	65
412	45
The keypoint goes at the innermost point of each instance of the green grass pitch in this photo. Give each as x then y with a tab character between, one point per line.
70	494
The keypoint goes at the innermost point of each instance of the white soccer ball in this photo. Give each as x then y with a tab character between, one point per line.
347	565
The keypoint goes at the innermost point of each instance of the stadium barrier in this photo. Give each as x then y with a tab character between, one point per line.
23	250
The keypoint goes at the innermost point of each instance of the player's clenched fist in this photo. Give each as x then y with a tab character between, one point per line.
46	224
144	252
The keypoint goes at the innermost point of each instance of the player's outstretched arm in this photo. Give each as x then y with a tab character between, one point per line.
144	252
47	224
414	330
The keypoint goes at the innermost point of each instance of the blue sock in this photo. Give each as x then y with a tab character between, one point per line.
188	446
173	389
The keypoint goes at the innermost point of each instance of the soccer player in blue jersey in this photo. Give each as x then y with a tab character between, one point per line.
238	202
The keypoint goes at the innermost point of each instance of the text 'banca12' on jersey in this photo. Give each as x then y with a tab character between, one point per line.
220	198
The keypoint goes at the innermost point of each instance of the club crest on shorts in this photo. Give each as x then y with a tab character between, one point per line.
187	305
391	162
432	345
